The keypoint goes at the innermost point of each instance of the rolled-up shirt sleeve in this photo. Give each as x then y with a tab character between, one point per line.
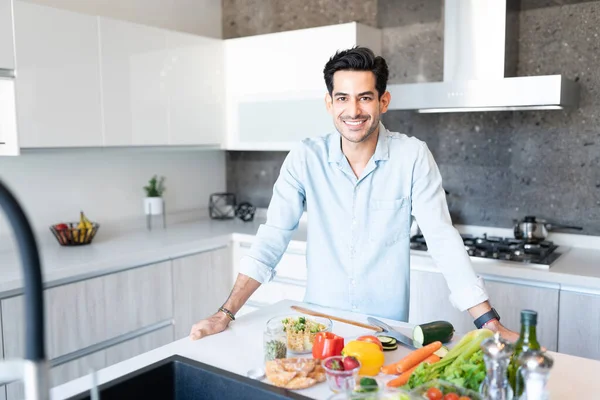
283	215
444	242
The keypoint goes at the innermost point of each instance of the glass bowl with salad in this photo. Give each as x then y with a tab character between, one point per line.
300	331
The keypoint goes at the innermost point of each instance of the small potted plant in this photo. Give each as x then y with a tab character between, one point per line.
153	203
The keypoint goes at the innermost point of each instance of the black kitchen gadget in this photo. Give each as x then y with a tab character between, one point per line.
222	206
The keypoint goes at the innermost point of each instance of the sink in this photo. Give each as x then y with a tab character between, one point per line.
179	378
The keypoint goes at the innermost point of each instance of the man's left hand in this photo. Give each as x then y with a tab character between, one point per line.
496	326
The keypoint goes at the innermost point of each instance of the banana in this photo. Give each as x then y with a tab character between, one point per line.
82	228
88	226
88	223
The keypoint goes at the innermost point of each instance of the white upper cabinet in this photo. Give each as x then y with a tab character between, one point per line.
160	87
134	62
196	89
88	81
275	87
7	49
58	81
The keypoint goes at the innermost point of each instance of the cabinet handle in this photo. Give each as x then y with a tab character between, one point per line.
65	358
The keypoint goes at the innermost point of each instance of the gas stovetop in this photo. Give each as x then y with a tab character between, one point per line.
499	248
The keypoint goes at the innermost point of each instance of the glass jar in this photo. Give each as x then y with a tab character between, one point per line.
274	340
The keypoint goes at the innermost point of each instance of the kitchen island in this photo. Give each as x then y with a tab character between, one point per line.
239	349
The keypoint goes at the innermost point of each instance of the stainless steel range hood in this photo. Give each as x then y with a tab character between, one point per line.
480	60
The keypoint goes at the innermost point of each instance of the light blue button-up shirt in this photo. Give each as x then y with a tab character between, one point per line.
358	229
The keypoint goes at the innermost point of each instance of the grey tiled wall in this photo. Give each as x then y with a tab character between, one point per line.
497	166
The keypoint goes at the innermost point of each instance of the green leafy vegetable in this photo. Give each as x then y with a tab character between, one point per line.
463	365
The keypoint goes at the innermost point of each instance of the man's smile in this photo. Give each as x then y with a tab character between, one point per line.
355	123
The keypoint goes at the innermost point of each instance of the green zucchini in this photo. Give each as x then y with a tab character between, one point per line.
433	331
394	347
388	343
386	340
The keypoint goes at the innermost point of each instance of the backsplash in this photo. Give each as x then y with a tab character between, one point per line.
497	166
107	184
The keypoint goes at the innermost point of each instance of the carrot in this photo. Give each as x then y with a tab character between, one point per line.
417	356
402	379
409	361
390	369
405	376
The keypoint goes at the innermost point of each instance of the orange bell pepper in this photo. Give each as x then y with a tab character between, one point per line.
327	344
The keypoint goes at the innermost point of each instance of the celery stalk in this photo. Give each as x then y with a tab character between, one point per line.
452	363
472	346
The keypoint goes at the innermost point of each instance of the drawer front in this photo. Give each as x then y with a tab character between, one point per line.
275	291
138	298
139	345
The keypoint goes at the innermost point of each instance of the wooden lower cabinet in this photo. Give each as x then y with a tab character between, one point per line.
112	355
85	313
202	283
429	301
77	368
139	345
579	324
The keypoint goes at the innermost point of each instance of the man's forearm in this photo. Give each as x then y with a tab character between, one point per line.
243	288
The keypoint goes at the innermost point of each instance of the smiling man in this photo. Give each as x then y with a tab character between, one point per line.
360	185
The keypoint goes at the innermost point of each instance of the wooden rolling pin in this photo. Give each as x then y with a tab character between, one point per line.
345	321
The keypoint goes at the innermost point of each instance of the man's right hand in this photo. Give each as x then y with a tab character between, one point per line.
214	324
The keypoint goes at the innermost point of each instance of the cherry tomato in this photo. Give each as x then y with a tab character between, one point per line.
372	339
464	398
434	394
451	396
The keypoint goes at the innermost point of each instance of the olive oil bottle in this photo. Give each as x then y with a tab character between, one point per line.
527	341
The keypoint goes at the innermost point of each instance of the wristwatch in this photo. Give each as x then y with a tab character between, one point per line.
485	318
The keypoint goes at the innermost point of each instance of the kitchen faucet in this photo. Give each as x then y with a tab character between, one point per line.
33	370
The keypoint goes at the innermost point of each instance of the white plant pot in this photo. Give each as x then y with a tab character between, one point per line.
153	205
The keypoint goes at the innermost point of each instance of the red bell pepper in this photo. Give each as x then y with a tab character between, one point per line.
327	344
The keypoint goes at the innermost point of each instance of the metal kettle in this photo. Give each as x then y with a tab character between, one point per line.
534	230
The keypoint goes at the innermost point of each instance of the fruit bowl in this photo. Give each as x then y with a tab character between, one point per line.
340	380
70	234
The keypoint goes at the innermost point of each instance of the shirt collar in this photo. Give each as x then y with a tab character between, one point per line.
381	150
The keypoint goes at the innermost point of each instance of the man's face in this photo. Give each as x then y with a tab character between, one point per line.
355	104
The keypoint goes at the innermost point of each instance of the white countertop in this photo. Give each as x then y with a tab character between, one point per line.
239	349
578	269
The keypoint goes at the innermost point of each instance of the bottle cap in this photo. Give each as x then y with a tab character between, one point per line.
535	361
529	317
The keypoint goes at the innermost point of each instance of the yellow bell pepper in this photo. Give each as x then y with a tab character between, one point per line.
369	355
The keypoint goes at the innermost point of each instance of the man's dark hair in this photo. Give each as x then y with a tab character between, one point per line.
357	59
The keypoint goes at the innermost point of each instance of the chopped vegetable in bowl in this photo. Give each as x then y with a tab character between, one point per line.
301	331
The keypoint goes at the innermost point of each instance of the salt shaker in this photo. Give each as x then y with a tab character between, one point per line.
496	354
534	367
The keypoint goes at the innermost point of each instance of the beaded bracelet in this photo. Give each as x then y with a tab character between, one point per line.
227	312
